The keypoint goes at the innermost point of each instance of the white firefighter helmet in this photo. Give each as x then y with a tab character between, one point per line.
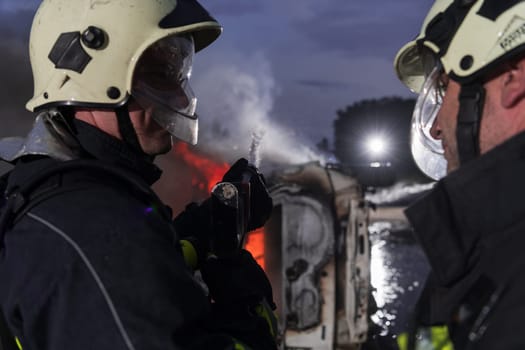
85	53
465	39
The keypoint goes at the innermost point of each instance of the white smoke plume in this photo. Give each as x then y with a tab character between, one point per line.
397	192
235	106
255	156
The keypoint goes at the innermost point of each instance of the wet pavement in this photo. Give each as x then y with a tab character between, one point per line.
398	272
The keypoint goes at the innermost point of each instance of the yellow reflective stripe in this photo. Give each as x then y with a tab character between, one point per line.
17	341
265	311
190	254
440	338
402	341
239	347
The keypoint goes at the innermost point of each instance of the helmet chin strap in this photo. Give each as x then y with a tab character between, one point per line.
127	130
471	100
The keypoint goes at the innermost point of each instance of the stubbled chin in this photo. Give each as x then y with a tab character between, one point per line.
160	145
166	147
158	151
451	166
163	151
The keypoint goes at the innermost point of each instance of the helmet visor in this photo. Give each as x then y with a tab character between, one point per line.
427	151
161	86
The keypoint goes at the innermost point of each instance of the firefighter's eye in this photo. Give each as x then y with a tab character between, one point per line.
442	85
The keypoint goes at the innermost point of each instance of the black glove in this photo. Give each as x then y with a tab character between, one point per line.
237	281
194	226
261	203
239	287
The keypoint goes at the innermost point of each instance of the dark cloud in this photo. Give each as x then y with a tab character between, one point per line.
378	29
15	72
15	90
359	40
16	25
322	84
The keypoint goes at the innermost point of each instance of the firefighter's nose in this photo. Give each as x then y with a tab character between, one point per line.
435	129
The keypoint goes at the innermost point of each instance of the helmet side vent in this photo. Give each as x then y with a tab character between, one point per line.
68	53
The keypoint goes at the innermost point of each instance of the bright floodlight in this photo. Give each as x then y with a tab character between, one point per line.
376	145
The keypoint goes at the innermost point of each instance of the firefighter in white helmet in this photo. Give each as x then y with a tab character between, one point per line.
468	66
90	257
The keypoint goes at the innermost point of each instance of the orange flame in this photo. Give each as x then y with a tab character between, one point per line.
207	172
255	245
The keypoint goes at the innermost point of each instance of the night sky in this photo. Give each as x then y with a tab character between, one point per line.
282	67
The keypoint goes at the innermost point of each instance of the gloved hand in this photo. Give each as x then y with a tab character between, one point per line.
237	281
243	299
194	226
197	225
261	203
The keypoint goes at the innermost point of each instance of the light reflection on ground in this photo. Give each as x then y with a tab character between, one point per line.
398	270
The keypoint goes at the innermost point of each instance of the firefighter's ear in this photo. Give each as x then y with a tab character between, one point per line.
512	83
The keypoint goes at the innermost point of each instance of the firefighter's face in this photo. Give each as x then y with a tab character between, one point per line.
503	108
153	138
444	127
496	122
161	86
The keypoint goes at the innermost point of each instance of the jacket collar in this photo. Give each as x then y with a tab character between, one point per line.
51	136
109	149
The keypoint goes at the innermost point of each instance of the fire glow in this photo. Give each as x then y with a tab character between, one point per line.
206	173
255	245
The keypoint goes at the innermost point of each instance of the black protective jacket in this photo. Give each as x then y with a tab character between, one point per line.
97	265
472	228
